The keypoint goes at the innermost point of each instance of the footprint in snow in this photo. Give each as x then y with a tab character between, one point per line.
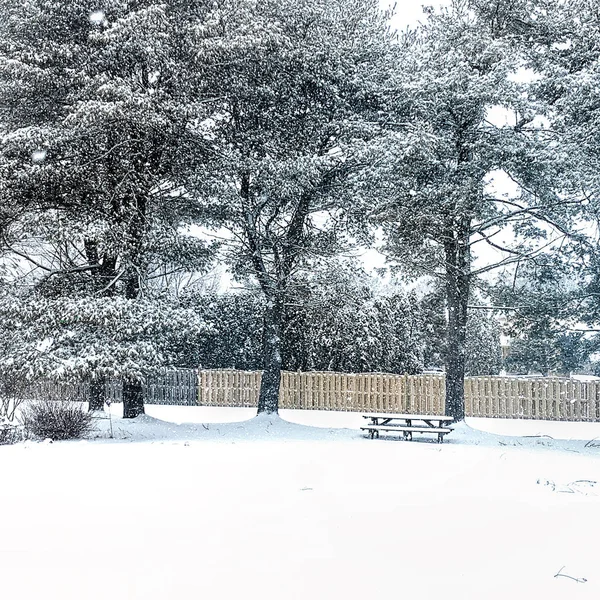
584	487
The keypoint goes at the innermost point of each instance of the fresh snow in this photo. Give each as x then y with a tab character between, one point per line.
191	502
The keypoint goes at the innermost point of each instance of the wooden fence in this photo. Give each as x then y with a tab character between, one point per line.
47	389
557	399
549	398
228	388
370	392
176	387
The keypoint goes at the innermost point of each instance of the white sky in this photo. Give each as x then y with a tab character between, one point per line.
410	12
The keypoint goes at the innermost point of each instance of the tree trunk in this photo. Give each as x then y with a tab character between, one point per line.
102	274
133	399
457	296
133	396
268	400
96	394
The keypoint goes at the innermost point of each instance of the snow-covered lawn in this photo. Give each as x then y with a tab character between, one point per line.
268	509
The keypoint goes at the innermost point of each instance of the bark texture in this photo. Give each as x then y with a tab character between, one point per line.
268	400
457	294
133	399
133	396
96	394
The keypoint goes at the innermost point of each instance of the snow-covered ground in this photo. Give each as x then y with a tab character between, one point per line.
272	509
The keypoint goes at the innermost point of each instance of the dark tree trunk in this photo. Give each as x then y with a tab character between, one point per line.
96	402
133	395
96	394
102	274
457	296
133	399
268	400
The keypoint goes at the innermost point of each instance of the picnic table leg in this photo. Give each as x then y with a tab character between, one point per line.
372	433
440	438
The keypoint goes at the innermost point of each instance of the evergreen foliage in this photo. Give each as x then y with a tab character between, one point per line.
296	88
461	118
95	121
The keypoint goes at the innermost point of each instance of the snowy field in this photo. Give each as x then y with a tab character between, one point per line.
269	509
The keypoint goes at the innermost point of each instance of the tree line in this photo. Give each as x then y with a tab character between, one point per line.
350	324
143	142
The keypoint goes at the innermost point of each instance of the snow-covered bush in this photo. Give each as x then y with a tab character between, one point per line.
56	419
335	319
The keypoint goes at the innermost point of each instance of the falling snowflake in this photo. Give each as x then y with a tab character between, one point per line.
97	17
38	156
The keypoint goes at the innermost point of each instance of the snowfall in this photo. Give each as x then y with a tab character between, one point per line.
197	502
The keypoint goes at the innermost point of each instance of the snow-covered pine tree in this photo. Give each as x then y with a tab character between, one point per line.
565	47
335	318
339	318
483	354
555	295
233	335
294	81
546	300
462	117
69	337
94	111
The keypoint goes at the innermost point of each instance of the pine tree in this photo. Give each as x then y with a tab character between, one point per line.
340	320
233	335
483	353
439	206
292	82
335	319
546	301
95	116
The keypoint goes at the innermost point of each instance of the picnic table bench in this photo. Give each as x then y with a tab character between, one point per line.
438	424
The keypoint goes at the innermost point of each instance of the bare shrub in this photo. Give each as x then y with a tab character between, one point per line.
13	391
11	433
56	419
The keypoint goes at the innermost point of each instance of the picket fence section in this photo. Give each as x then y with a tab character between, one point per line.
175	387
557	399
547	398
47	389
367	392
231	388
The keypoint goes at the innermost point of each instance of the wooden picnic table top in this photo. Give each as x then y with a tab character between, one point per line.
420	428
440	418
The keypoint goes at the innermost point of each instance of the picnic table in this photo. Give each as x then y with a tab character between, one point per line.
408	424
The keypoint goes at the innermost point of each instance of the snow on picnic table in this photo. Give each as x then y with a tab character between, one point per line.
272	509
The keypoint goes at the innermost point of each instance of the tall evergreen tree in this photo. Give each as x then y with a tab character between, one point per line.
461	117
293	81
335	319
94	106
340	320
